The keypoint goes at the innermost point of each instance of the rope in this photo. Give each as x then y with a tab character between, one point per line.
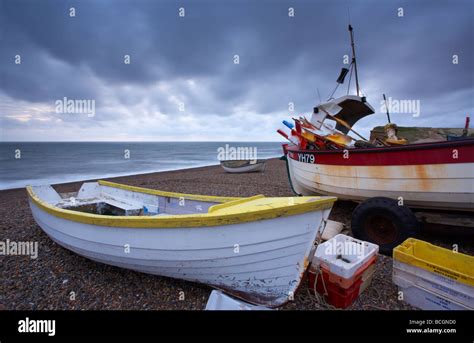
321	298
315	296
334	91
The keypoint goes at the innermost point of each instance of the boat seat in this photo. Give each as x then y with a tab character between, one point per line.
48	194
130	209
88	190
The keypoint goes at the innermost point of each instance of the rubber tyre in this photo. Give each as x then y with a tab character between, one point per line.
382	221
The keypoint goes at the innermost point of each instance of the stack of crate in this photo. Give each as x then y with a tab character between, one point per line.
341	269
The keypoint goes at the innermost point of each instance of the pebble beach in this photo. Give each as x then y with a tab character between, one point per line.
61	280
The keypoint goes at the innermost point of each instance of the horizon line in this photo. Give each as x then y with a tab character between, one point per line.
142	142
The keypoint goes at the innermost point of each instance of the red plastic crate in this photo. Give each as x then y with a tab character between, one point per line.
337	296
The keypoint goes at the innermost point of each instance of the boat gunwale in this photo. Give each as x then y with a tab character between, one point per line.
418	146
233	203
180	221
197	197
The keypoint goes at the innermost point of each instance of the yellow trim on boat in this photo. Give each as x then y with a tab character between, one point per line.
198	197
233	203
260	208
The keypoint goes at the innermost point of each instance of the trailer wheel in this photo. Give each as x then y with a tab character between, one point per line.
382	221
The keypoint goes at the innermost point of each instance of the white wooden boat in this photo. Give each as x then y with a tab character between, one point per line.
254	248
243	166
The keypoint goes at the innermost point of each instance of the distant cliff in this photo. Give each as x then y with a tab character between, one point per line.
420	134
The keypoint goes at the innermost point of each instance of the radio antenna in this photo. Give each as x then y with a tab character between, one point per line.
354	62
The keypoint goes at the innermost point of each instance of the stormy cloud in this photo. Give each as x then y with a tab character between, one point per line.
182	81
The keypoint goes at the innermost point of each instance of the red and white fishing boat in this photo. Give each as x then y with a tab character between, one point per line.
437	175
388	177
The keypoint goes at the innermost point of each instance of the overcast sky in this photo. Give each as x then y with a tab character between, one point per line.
187	63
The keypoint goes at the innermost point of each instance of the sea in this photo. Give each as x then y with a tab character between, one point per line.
37	163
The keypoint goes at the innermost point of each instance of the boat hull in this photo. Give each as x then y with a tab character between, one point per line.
261	262
430	176
245	167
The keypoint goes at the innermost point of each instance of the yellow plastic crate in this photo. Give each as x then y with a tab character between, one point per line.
445	262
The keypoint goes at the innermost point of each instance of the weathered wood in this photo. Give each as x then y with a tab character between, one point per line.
446	219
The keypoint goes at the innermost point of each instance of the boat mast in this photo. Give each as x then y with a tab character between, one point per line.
354	58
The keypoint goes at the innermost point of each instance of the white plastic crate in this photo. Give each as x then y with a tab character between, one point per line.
424	299
344	255
219	301
436	283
